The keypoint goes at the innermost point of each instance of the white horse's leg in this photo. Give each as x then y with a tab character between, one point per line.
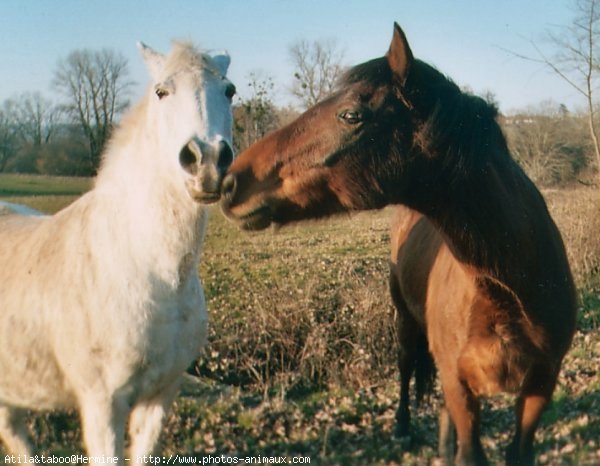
103	419
13	432
146	420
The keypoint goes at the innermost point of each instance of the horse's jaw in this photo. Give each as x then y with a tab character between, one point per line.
256	219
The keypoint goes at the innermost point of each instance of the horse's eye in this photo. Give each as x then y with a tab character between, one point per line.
161	92
230	91
350	117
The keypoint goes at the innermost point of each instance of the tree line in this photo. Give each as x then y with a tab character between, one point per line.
554	145
66	138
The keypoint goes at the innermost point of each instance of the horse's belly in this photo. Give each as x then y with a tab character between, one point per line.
43	393
30	377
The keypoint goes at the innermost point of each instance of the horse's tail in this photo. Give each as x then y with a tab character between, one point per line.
424	369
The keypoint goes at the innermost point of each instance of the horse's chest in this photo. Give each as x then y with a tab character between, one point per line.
150	344
174	336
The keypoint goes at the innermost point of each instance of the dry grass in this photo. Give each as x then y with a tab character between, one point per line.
577	214
301	308
302	318
301	357
310	303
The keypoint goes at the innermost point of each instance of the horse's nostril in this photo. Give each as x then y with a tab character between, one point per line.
228	186
188	159
225	156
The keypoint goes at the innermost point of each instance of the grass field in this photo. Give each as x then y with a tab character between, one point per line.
301	359
44	193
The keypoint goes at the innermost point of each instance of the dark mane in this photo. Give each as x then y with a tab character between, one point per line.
462	128
376	71
458	124
458	127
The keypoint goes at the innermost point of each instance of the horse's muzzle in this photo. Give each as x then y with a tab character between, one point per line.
247	216
206	164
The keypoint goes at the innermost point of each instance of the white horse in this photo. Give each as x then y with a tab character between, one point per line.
101	307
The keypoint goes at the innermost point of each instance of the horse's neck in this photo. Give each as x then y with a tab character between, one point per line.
148	208
490	220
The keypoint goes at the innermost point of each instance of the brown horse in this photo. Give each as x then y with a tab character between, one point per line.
479	271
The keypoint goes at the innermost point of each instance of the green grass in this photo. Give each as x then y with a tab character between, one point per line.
39	185
301	355
47	194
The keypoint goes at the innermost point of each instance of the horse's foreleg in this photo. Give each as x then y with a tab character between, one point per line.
405	364
145	423
535	396
13	432
103	419
407	339
446	437
464	412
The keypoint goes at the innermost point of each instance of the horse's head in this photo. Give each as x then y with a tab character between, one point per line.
342	154
191	110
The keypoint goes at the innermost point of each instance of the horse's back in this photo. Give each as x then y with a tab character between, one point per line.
17	224
547	283
16	234
23	330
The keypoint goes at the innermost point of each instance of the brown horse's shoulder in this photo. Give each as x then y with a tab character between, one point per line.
415	247
403	221
503	342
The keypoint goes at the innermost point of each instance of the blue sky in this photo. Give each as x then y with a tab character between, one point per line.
465	39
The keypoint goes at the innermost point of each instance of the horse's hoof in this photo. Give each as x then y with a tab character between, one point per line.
404	437
401	431
513	458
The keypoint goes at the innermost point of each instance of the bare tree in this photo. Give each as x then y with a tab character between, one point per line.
95	86
36	118
256	115
318	65
577	61
548	142
8	134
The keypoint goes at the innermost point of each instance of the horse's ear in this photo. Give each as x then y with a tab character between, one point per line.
222	60
399	55
154	60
